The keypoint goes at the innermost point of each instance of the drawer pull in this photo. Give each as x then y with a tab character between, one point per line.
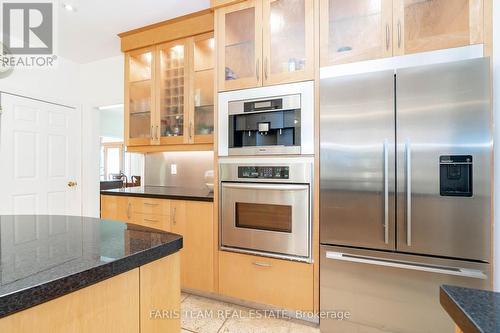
262	264
148	220
150	204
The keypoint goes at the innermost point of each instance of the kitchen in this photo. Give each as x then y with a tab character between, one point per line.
299	165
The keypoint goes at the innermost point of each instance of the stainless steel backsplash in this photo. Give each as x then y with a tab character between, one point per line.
191	168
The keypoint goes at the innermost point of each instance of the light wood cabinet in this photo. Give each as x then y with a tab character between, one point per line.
281	283
191	219
123	304
115	208
288	42
164	103
359	30
239	39
140	96
160	290
173	93
355	30
194	221
436	24
203	80
265	42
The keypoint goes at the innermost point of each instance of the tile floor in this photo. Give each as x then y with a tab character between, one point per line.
203	315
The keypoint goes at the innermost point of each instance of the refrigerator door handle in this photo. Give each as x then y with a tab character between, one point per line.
456	271
386	191
408	192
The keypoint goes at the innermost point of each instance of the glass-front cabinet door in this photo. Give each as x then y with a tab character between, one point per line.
139	97
201	124
172	119
240	45
355	30
427	25
288	42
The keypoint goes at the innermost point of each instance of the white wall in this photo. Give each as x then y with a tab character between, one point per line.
58	85
102	84
112	121
496	115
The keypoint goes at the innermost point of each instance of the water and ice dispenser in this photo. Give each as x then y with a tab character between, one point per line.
455	175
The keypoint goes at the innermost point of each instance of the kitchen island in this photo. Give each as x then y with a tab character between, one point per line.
67	274
473	310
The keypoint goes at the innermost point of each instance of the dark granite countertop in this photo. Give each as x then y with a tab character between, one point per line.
473	310
164	192
44	257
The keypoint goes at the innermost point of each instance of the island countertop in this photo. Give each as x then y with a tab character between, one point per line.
473	310
164	192
44	256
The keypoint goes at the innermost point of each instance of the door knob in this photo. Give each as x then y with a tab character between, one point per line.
72	184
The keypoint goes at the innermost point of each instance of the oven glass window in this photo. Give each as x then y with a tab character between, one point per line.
264	217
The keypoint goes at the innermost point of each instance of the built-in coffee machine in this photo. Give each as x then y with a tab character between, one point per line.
275	120
265	124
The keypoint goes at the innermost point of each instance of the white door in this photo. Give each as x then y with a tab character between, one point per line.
40	157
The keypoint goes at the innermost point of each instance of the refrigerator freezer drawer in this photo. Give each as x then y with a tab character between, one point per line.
386	292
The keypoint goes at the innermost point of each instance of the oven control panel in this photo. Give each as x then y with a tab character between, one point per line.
265	172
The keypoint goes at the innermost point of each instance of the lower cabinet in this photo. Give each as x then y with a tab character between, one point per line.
121	304
194	221
280	283
191	219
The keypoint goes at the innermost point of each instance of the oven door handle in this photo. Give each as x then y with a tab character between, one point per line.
275	187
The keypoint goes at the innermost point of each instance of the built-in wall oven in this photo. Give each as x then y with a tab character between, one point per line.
276	120
265	206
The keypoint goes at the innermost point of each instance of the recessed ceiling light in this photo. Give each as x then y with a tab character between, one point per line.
69	7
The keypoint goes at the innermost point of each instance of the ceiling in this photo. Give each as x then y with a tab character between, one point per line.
90	32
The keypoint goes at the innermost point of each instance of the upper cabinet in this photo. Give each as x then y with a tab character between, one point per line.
265	42
169	93
170	84
139	96
239	38
355	30
172	100
436	24
288	42
202	123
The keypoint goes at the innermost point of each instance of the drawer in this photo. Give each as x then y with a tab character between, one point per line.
161	222
149	206
280	283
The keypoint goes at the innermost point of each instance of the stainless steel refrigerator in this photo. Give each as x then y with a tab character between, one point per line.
405	194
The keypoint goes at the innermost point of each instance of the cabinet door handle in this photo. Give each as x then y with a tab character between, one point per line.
148	220
387	36
152	132
173	215
265	68
190	129
257	67
262	264
128	210
399	34
157	133
151	204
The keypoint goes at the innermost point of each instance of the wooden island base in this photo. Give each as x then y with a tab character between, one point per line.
129	302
